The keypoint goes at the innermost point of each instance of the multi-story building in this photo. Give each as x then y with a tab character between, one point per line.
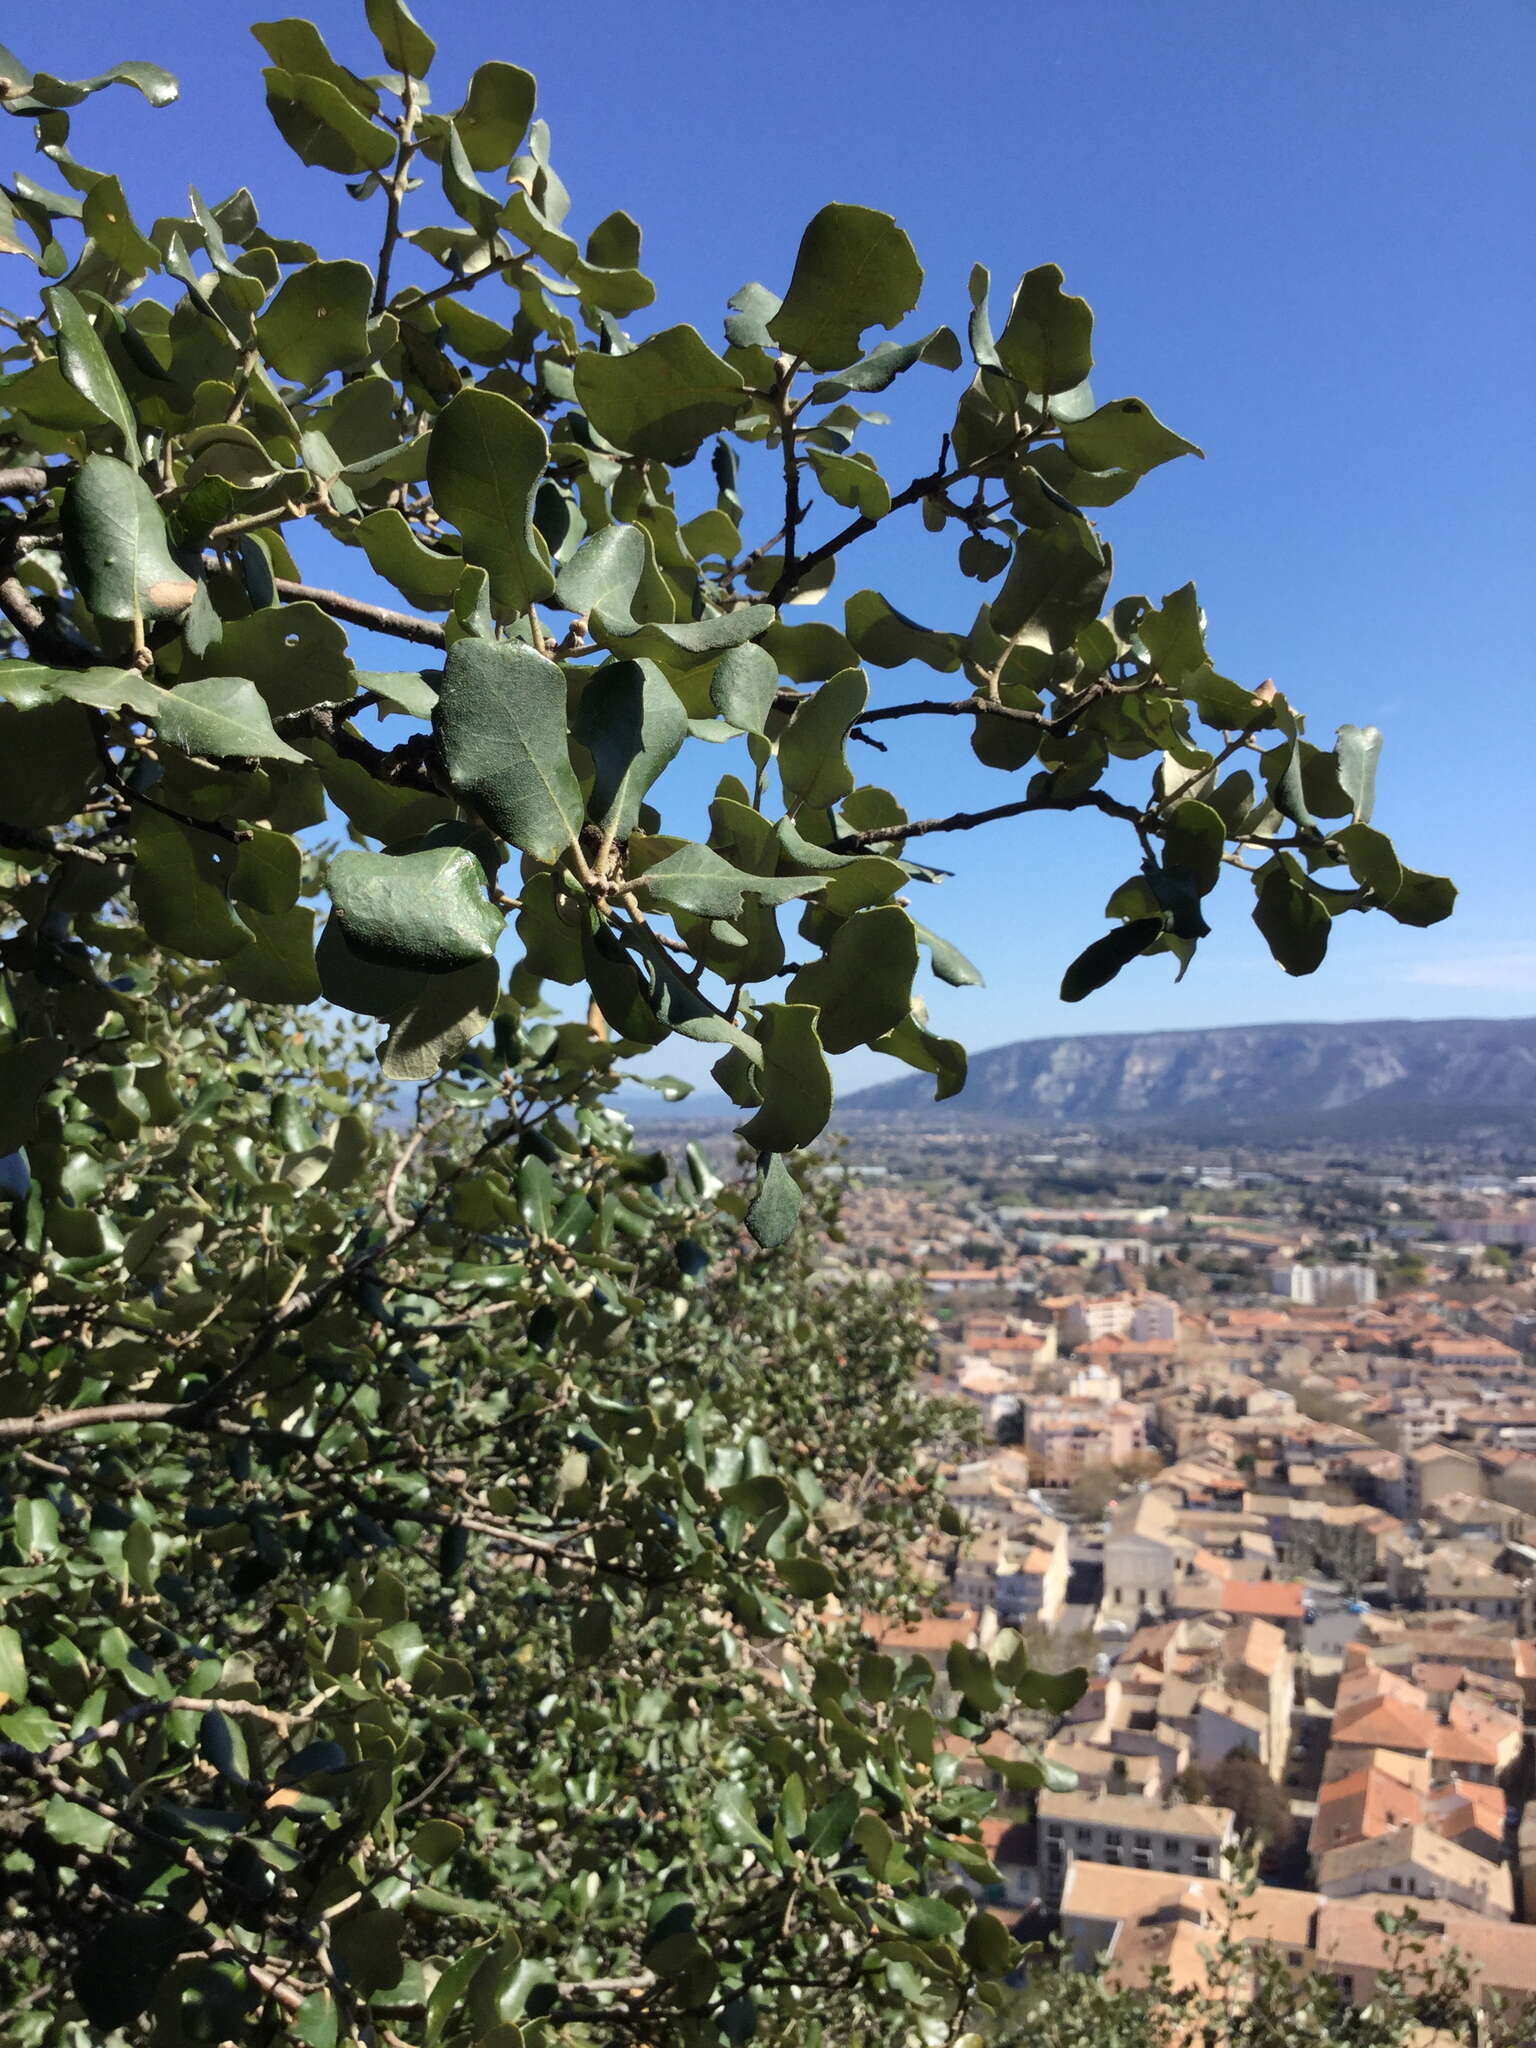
1144	1318
1064	1436
1324	1286
1118	1828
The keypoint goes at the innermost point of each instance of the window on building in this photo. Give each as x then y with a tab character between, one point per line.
1394	1884
1143	1841
1112	1835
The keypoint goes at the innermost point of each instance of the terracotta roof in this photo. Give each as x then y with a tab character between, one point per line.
1360	1807
1421	1846
1386	1724
1501	1955
1345	1760
1272	1599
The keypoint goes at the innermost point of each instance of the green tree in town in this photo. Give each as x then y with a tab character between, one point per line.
434	1540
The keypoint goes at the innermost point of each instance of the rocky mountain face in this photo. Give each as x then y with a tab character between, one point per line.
1400	1077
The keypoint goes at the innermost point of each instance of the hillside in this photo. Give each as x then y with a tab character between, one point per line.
1399	1077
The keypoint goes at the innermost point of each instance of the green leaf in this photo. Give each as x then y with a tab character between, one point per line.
494	118
855	269
1055	584
1422	899
1047	345
485	461
916	1046
500	725
698	881
223	718
862	984
449	1012
1294	921
123	1958
794	1081
294	654
885	363
948	962
1103	960
316	2022
889	639
114	541
1194	840
297	45
423	576
1358	750
13	1668
367	987
36	94
86	365
181	883
735	1822
775	1206
852	480
426	909
318	322
268	871
813	749
278	966
1372	860
322	126
743	686
662	399
406	45
1127	435
108	221
928	1918
630	721
49	764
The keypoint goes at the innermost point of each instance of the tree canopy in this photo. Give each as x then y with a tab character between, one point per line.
441	1556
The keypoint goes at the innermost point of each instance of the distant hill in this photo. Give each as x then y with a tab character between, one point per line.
1399	1078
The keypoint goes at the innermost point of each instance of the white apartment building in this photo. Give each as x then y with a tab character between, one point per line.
1144	1318
1351	1285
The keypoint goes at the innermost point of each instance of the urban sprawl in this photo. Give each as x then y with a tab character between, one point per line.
1257	1447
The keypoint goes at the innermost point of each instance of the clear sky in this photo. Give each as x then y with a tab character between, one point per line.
1305	229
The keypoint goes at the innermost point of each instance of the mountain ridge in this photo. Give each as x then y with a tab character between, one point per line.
1403	1075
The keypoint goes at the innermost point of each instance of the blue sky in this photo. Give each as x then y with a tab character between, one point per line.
1305	232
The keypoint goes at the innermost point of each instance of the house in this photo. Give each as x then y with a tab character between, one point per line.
1278	1601
1136	1927
1360	1807
1064	1435
1119	1828
1469	1814
1429	1473
1415	1863
1130	1924
1350	1944
1144	1558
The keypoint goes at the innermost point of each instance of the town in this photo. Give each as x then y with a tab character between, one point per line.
1255	1444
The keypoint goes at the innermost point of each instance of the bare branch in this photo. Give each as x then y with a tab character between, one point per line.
24	482
462	284
967	821
354	612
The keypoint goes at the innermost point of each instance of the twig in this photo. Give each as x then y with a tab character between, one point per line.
375	617
793	509
25	482
395	191
25	839
967	821
463	283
